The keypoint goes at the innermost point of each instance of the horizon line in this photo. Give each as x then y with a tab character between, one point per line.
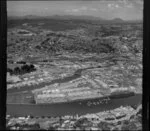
73	15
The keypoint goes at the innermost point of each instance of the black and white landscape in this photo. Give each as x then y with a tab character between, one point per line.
74	65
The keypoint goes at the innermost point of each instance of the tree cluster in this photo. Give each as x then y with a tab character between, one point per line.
21	70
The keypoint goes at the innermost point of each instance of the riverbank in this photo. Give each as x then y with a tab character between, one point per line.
121	118
72	108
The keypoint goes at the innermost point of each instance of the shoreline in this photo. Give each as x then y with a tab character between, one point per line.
116	96
62	109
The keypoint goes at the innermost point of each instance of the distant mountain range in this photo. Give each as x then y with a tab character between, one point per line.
73	17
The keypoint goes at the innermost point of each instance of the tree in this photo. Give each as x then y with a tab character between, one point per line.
10	71
17	70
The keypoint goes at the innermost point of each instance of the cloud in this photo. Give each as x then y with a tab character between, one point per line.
117	6
93	9
139	2
129	5
125	1
75	10
122	3
113	6
81	9
110	5
46	8
72	10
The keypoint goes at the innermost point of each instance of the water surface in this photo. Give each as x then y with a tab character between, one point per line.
72	108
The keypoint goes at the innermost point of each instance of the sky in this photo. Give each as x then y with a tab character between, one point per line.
106	9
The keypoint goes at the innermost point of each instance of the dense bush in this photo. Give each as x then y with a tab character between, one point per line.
22	70
21	62
104	126
83	122
10	70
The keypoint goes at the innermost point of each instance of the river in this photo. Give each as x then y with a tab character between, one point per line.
73	108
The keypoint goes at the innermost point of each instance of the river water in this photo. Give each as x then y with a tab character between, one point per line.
73	108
